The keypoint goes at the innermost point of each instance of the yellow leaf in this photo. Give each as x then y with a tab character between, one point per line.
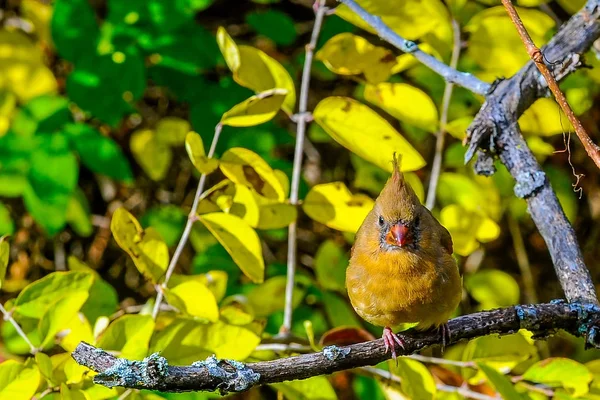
468	228
195	150
8	102
215	281
404	102
349	54
544	118
240	241
79	330
256	110
495	44
255	70
270	296
193	298
18	381
334	205
417	381
153	156
458	127
416	184
283	181
172	130
148	251
40	14
364	132
129	336
247	168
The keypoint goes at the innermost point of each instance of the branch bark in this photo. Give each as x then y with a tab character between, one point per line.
232	376
495	131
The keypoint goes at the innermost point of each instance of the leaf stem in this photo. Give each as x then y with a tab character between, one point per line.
591	148
302	118
192	217
8	317
436	167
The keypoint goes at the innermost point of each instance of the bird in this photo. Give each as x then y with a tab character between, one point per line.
401	269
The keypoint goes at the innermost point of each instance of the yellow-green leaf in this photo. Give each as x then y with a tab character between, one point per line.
245	167
270	296
148	251
349	54
500	382
417	381
364	132
195	150
315	388
129	335
256	110
254	69
468	228
59	315
4	256
193	298
79	329
404	102
492	288
172	130
215	281
240	241
544	118
152	155
18	381
330	266
561	372
477	195
334	205
44	363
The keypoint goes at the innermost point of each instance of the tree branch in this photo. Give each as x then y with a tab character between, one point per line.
449	74
233	376
495	131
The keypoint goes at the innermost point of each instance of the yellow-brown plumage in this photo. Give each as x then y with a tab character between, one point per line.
401	269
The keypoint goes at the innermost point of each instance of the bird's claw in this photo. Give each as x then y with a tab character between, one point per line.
444	330
390	339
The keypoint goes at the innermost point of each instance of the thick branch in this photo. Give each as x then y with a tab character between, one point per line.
495	131
449	74
232	376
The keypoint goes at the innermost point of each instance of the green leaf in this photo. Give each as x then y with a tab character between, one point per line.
129	335
339	312
404	102
74	29
7	226
50	213
492	288
193	298
35	300
330	266
334	205
18	381
195	149
500	382
99	153
153	156
4	258
561	372
41	114
269	297
417	381
44	363
240	241
276	25
60	314
314	388
148	251
172	131
362	131
78	214
472	194
256	110
185	341
12	185
168	220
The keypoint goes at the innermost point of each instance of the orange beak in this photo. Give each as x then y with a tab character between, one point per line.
398	235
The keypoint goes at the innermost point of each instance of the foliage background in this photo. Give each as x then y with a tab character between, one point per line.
96	100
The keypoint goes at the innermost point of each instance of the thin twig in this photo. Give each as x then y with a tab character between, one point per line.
449	74
8	317
192	217
522	259
592	149
436	167
298	152
442	361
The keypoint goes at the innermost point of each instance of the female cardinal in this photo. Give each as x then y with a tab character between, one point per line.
401	266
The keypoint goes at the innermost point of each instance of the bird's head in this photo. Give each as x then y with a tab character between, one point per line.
397	211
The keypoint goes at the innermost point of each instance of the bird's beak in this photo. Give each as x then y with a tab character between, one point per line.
398	235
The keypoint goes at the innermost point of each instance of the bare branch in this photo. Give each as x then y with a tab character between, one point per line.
448	73
233	376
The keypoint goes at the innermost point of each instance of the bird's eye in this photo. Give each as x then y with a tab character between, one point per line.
381	221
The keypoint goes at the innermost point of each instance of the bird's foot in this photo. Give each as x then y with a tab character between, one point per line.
444	330
391	340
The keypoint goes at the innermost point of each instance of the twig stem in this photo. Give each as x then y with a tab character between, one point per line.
436	167
321	10
592	149
8	317
188	227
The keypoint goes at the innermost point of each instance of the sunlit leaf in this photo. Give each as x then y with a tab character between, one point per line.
194	298
255	70
41	114
129	335
148	251
4	257
18	381
544	118
334	205
561	372
240	241
349	54
215	281
468	228
256	110
76	330
195	150
500	382
417	381
364	132
153	156
492	288
58	316
172	130
474	195
314	388
44	363
269	297
78	214
404	102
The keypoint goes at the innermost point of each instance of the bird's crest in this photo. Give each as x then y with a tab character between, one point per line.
397	175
